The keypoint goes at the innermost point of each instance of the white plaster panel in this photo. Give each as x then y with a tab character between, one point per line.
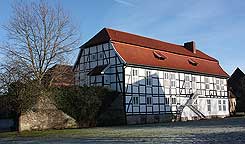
92	49
113	78
129	90
182	76
155	100
161	90
142	108
141	72
128	80
155	108
135	89
112	53
128	70
142	89
105	46
160	74
149	109
148	90
136	109
155	90
167	91
155	81
161	99
142	99
161	107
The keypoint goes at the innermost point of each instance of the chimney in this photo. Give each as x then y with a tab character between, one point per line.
191	46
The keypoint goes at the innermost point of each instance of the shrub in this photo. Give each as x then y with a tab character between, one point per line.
85	104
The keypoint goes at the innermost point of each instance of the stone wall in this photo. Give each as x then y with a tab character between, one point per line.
146	119
45	115
45	119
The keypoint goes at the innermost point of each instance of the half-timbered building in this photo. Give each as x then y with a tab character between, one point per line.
158	80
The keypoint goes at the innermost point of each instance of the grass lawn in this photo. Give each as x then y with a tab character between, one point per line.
176	129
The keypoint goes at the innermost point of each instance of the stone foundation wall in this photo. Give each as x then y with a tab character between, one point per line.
147	119
207	117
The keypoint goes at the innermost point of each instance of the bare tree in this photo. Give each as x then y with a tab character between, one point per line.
40	36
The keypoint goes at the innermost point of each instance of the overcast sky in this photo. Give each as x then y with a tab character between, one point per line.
217	26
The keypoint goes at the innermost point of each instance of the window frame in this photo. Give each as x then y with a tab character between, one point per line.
135	100
148	78
135	76
224	105
209	107
149	100
167	101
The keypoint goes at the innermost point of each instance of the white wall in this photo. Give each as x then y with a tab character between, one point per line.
174	86
103	54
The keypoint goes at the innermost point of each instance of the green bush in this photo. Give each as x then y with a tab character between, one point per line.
85	104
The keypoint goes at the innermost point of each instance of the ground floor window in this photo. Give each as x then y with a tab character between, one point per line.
209	105
166	101
173	100
224	105
219	104
135	100
149	100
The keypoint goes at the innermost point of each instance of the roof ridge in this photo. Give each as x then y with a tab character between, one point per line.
113	34
142	36
165	50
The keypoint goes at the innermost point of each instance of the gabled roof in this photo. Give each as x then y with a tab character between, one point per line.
139	50
106	34
236	76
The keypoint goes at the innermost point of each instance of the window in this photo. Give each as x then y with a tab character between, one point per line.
217	87
206	86
149	100
101	55
217	81
192	62
187	84
224	105
209	105
166	76
159	55
221	82
187	78
219	104
134	76
166	101
173	100
135	100
94	57
193	79
222	87
172	84
135	72
206	80
172	76
148	78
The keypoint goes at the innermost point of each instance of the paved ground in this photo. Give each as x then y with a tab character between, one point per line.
229	130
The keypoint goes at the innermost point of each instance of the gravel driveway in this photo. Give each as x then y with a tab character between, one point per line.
229	130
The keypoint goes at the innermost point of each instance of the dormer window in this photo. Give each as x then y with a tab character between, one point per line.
159	55
192	62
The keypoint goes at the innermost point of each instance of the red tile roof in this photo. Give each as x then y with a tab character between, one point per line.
138	50
133	54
